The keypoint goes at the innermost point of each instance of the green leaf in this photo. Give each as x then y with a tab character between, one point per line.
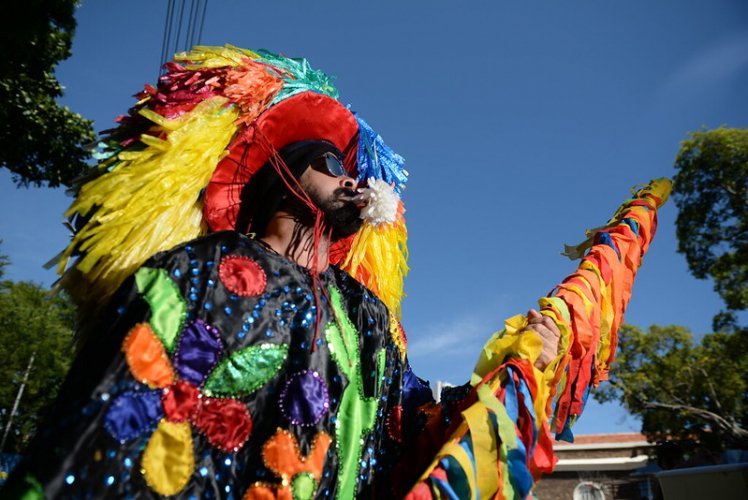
168	307
245	371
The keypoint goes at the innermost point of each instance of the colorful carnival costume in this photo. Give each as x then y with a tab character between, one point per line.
220	369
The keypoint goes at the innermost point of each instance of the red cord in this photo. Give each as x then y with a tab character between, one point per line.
318	231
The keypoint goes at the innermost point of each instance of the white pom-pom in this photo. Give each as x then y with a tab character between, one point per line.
380	201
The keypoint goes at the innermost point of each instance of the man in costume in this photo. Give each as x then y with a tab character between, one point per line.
241	364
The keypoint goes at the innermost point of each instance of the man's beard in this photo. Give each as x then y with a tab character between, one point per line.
340	214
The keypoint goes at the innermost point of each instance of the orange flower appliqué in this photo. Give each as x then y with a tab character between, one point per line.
299	474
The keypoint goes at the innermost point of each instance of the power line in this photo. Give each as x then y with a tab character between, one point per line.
167	33
202	21
176	39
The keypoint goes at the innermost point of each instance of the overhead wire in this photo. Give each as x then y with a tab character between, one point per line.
202	21
190	25
167	33
179	28
182	34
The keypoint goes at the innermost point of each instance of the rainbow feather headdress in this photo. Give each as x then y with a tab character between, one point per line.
174	168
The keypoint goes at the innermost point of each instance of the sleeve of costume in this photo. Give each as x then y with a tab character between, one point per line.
498	428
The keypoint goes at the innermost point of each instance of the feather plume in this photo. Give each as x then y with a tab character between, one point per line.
380	202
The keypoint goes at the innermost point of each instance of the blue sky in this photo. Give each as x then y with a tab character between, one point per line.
522	124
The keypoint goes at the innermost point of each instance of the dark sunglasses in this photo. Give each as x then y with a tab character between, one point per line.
329	163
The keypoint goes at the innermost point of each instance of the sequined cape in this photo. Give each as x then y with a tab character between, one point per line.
213	380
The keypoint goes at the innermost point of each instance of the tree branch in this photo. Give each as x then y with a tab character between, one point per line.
712	392
730	190
733	433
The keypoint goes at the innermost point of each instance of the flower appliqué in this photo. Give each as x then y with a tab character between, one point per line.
190	383
299	474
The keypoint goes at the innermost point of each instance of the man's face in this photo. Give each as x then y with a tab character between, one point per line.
334	196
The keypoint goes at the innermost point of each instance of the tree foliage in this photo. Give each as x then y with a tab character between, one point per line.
32	323
3	263
693	392
40	141
711	192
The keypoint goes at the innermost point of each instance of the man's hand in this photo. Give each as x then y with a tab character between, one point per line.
545	328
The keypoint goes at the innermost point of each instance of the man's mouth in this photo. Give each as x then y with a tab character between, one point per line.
349	195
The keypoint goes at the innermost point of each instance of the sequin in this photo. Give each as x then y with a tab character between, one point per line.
304	485
394	424
246	370
242	275
305	400
397	334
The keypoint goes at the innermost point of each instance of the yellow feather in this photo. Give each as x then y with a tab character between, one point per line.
214	57
379	258
161	185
